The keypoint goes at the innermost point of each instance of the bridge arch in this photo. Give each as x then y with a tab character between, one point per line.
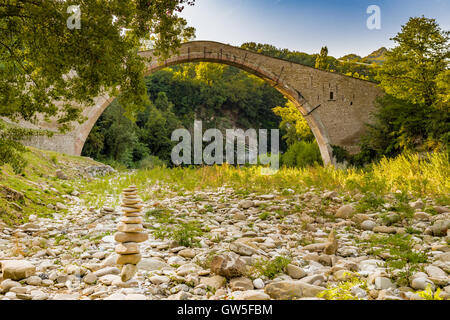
335	106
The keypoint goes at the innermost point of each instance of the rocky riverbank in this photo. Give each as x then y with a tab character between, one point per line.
218	244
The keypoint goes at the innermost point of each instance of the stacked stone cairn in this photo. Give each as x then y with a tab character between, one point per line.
130	233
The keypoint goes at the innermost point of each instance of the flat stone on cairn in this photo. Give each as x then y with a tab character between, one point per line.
131	232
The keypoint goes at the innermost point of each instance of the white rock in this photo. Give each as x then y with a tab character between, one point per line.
159	280
435	272
345	211
383	283
151	264
116	296
251	295
368	225
108	279
258	283
7	284
10	295
17	269
135	297
33	281
420	283
245	204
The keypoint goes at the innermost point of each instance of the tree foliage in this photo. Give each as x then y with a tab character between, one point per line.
293	124
412	68
48	70
221	96
302	148
321	61
415	114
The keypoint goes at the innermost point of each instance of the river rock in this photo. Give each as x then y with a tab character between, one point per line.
129	258
228	265
17	269
288	290
241	284
345	212
242	249
332	244
294	272
252	295
215	282
152	264
421	283
127	248
8	284
130	237
127	272
440	227
368	225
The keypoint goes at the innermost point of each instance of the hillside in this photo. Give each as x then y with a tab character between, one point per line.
43	186
378	57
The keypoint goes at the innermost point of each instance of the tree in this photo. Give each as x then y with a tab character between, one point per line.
179	96
414	115
294	124
158	127
322	59
46	65
411	69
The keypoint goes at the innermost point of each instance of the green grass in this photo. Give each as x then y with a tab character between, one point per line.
405	173
160	215
39	172
404	176
184	233
402	256
369	202
271	268
264	215
342	291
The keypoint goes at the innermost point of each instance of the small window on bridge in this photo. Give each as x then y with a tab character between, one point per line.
351	103
331	95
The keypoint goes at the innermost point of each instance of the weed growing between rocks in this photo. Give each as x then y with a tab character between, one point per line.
353	289
401	259
428	294
183	233
271	268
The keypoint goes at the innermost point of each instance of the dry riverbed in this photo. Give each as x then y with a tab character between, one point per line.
220	244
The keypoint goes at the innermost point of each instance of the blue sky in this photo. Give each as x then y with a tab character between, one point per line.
307	25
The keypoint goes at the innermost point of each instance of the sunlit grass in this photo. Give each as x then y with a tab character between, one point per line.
406	173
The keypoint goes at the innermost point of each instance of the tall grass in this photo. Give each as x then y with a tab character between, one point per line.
407	173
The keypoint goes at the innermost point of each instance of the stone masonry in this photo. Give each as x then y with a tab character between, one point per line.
337	107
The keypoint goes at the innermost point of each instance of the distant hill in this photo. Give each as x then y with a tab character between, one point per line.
351	57
349	65
378	57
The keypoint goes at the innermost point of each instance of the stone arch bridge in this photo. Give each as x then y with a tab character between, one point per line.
336	107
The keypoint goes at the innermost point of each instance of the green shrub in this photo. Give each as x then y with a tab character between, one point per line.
185	233
271	268
302	154
342	291
427	294
401	255
151	162
264	215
